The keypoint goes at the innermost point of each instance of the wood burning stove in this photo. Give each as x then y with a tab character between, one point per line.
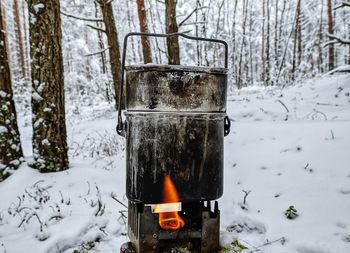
175	124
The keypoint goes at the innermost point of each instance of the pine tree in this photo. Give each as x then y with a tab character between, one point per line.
49	126
10	145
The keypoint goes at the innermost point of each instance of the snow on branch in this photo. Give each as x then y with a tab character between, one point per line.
81	18
342	5
335	39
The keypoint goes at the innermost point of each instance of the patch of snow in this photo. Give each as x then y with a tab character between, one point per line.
3	94
38	7
38	122
3	129
36	96
46	142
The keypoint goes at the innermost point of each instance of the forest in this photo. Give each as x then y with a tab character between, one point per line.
60	72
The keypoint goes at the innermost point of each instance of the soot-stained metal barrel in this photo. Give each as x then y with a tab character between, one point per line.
175	126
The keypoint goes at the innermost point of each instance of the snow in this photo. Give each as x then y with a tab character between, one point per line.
38	7
46	142
36	96
3	94
3	129
296	156
38	122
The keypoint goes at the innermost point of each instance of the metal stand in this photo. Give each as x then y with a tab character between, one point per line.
200	234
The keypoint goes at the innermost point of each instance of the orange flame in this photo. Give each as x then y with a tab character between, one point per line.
170	220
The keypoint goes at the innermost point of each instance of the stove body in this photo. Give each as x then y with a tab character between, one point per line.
175	125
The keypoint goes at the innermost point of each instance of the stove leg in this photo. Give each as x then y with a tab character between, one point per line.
127	248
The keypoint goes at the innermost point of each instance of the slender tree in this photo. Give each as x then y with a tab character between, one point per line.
330	31
267	55
263	50
320	39
113	43
234	44
10	145
243	45
146	48
49	126
171	27
297	41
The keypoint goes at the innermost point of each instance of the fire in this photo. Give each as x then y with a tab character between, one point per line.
170	220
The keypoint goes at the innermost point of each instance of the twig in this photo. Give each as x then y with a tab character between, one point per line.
62	199
36	215
99	52
38	182
81	18
189	15
246	193
57	217
113	197
102	229
341	5
285	107
336	39
282	239
319	112
96	28
88	193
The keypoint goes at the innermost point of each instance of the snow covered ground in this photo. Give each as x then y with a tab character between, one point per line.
287	147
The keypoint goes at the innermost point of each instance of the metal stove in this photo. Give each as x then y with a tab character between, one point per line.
175	123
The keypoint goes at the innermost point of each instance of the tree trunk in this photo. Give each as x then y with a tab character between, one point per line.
49	126
296	39
19	38
26	41
320	39
171	27
276	35
263	58
330	31
146	49
101	45
113	42
243	45
234	44
299	45
267	70
10	144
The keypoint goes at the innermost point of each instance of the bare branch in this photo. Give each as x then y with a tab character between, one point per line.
285	107
96	28
189	15
82	18
342	5
115	198
99	52
336	39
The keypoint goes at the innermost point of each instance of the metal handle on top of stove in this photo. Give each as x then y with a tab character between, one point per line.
120	127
